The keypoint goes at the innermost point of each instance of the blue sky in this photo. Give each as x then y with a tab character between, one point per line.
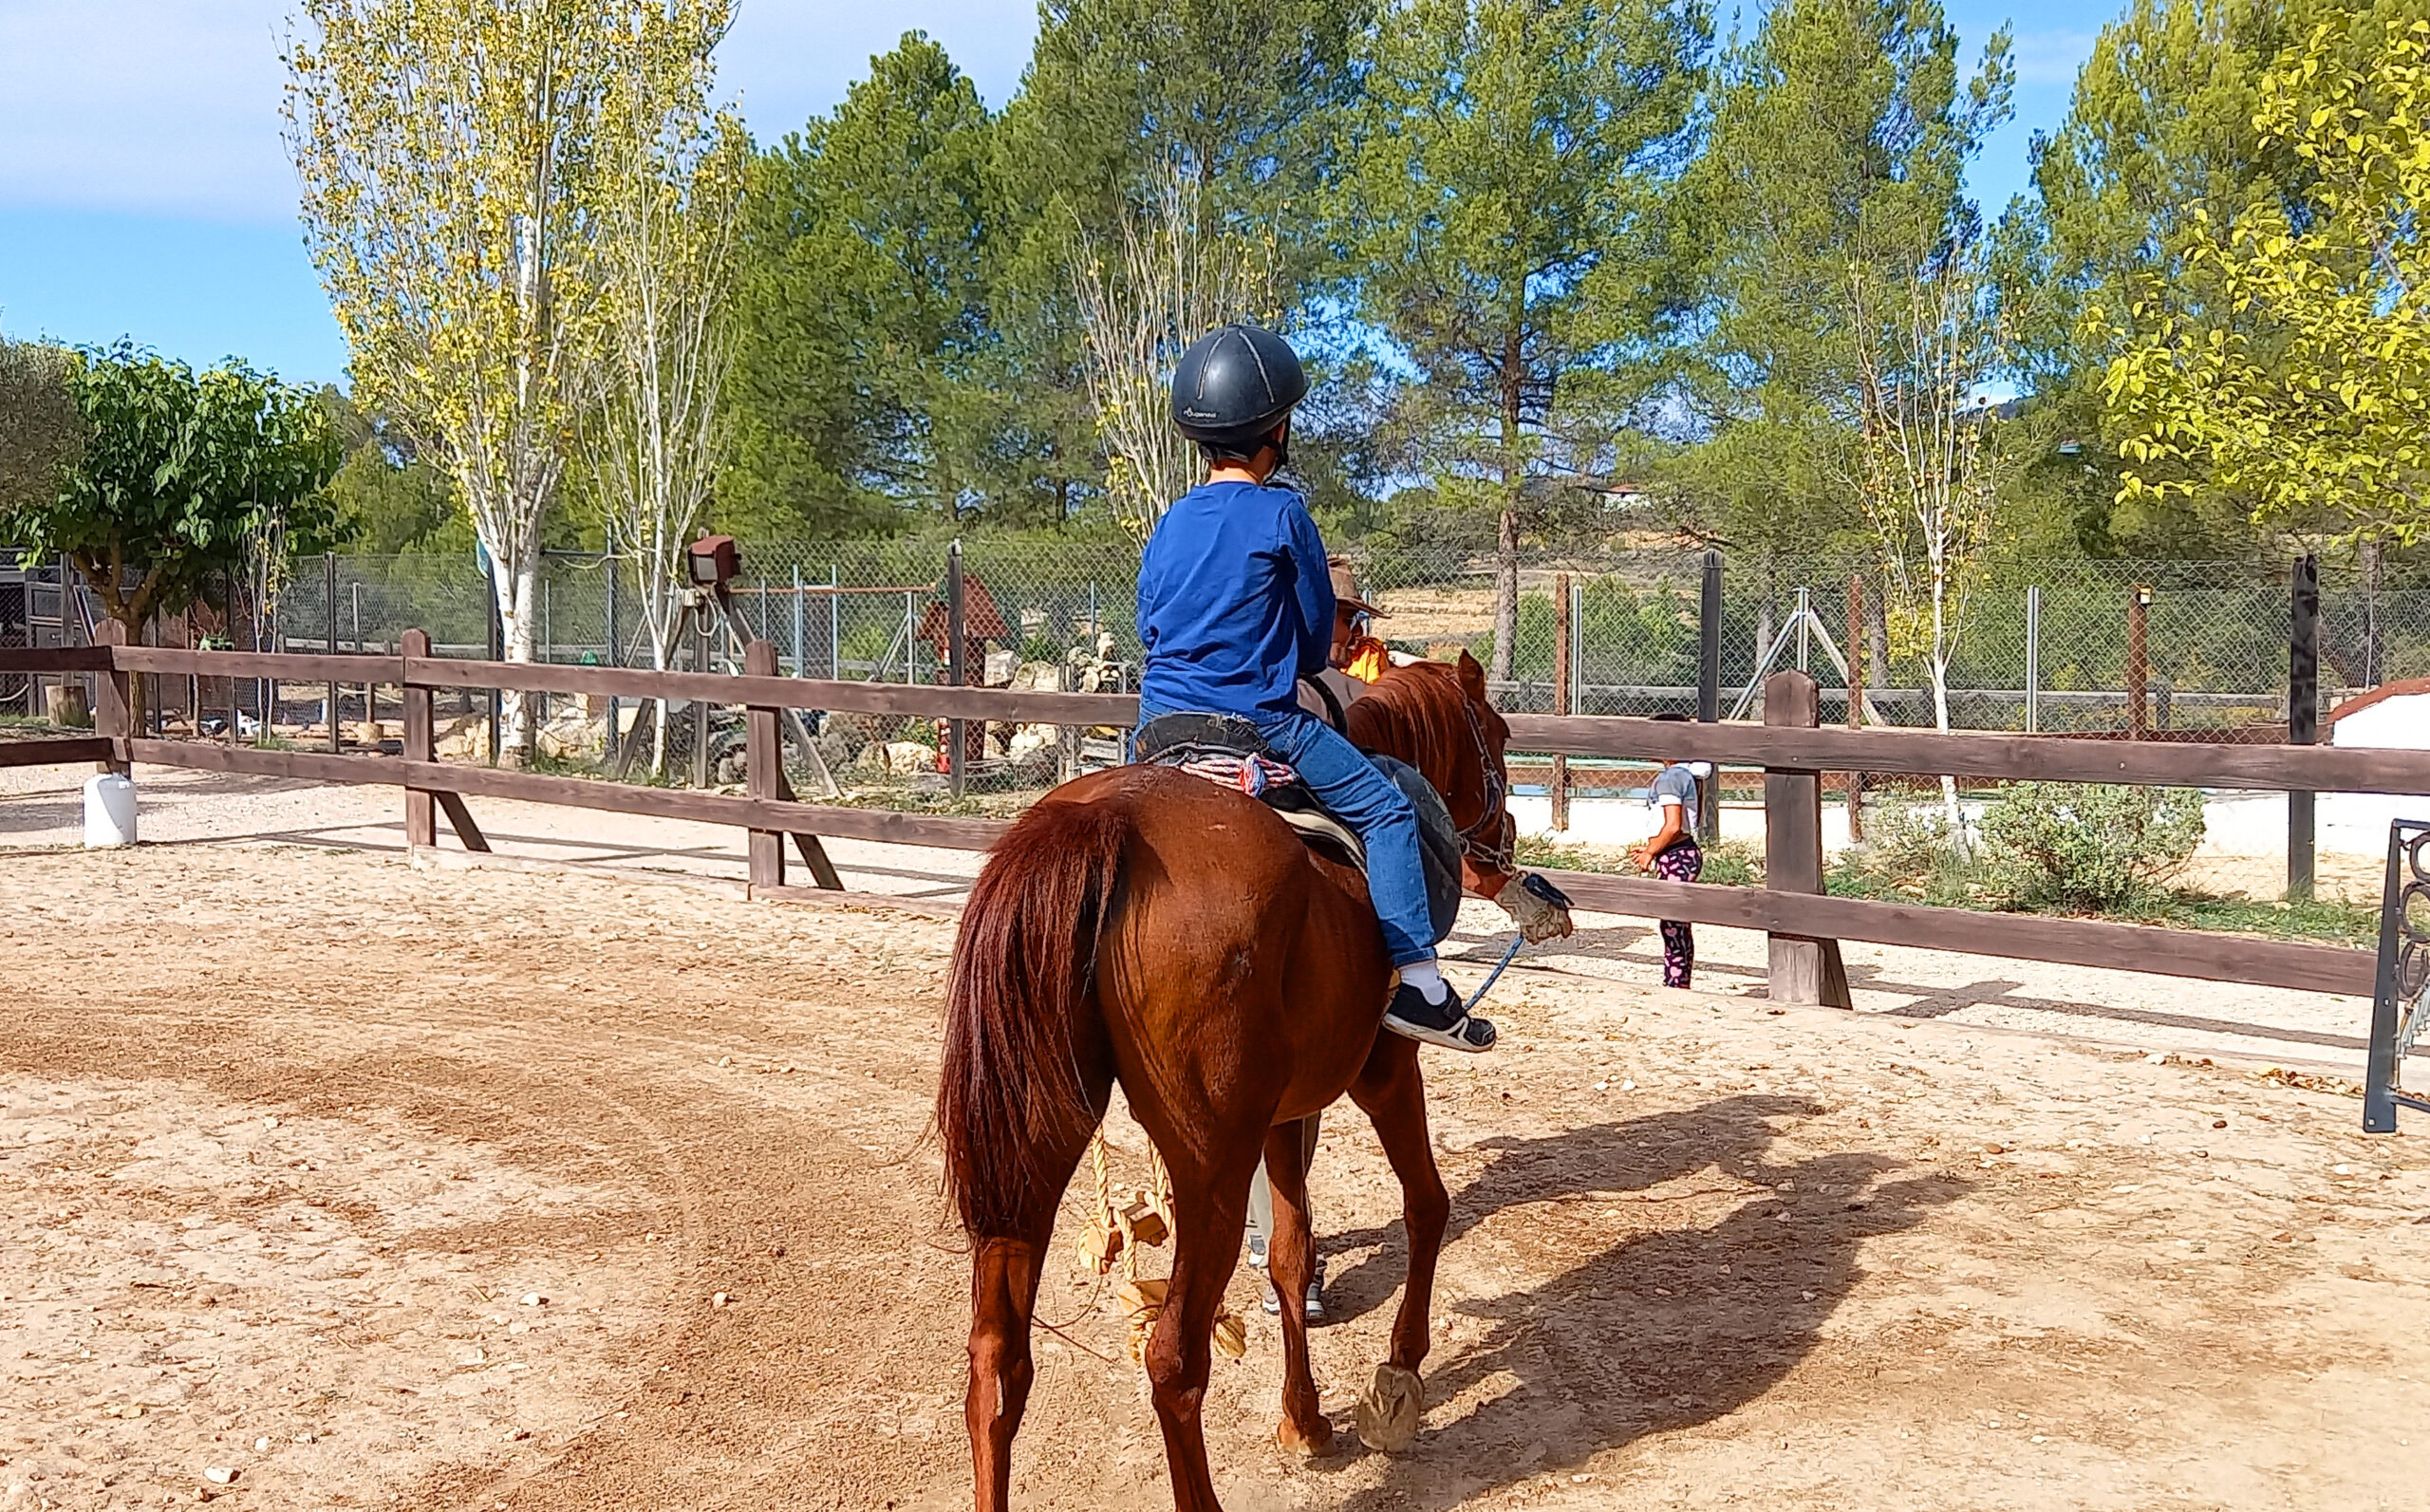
144	192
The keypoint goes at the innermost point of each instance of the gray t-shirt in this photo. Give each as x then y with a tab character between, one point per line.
1675	786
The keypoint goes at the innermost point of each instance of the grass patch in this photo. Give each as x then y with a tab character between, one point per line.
1727	862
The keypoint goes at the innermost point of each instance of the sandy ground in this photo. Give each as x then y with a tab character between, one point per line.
290	1133
40	807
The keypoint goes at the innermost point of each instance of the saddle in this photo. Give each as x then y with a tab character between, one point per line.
1226	749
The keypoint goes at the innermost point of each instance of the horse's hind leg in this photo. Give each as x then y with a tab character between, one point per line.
1291	1261
1207	1245
1004	1273
1393	1096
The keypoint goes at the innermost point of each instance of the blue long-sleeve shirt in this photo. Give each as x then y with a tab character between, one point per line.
1235	601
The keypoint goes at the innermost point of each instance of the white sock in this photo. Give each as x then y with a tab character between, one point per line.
1427	978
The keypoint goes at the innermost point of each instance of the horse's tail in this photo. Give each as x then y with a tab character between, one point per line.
1011	1103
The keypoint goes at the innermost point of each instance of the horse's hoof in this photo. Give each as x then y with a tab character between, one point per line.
1389	1408
1307	1442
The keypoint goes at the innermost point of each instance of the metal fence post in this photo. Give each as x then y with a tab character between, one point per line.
331	560
2139	664
1563	621
2302	717
834	622
1708	680
1856	697
801	614
956	673
1804	629
2032	659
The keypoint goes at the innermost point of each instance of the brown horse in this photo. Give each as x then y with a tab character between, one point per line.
1147	926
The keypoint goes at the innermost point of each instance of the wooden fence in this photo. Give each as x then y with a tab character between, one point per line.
1805	925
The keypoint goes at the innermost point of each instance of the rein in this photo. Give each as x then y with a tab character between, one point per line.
1488	855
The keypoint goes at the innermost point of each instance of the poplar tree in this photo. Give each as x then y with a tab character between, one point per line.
450	154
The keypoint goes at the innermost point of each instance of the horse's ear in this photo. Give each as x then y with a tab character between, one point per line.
1473	678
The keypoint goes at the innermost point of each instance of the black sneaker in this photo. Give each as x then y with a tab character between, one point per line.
1444	1023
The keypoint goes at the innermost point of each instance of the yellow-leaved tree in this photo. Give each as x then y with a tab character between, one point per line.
2289	366
455	159
671	180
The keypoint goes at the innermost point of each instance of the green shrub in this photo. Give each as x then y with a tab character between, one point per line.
1908	852
2085	845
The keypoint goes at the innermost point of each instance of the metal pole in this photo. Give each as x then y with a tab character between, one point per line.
956	673
614	656
801	614
1856	697
2302	717
2139	664
834	624
700	706
1804	620
331	560
1708	680
497	653
1563	672
1576	639
2032	659
910	642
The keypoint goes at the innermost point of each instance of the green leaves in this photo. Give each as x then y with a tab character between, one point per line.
2309	408
181	473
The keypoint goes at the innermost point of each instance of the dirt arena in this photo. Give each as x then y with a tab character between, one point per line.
381	1186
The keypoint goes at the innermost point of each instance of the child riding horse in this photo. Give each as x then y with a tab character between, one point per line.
1147	926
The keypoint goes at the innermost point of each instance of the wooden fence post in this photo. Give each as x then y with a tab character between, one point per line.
1802	969
1564	675
422	820
114	703
764	757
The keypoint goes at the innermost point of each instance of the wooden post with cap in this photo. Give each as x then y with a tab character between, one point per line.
1802	969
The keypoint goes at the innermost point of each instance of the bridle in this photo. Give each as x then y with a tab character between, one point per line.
1488	855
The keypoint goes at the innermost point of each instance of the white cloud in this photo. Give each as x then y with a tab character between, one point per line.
2050	57
171	106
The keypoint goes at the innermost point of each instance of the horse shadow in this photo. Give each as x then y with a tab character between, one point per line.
1659	1330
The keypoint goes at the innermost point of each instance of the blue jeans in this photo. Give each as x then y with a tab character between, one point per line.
1348	785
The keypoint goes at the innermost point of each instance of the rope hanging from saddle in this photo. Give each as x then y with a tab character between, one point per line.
1118	1232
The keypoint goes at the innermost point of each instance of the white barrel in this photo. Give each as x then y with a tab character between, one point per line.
110	812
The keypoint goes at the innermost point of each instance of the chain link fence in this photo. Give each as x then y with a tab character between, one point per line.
2184	650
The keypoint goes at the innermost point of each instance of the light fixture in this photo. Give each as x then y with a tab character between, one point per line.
715	561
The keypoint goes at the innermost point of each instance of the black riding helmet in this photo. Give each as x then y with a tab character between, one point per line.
1233	386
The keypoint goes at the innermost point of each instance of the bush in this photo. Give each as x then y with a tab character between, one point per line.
1908	852
2088	846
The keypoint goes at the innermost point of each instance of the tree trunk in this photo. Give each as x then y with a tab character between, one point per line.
518	584
1938	666
1505	565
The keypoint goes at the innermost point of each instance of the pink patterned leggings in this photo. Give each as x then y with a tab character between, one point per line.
1683	862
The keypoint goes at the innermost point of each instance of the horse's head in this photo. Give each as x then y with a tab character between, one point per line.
1437	716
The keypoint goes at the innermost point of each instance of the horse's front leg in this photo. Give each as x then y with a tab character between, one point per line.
1291	1261
1393	1096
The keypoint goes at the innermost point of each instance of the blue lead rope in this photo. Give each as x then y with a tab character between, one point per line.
1477	997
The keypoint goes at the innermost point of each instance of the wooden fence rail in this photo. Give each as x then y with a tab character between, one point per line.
1790	908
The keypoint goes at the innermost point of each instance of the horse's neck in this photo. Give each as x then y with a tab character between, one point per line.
1426	730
